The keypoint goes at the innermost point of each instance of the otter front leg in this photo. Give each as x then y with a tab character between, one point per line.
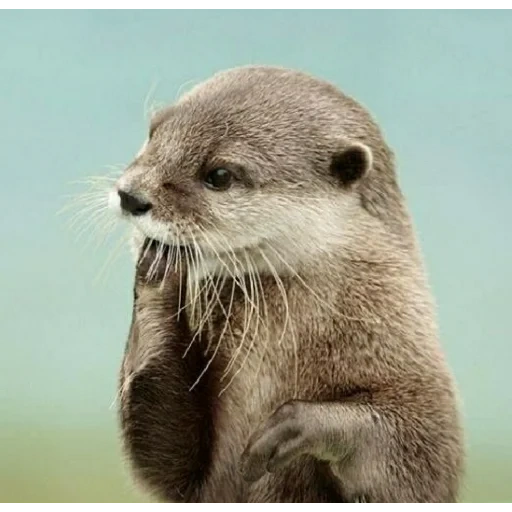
166	427
373	455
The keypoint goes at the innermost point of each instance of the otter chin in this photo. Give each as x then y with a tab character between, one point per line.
283	344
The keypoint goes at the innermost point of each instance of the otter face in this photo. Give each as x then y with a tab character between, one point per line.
239	169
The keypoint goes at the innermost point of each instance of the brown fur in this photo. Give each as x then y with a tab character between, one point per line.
339	391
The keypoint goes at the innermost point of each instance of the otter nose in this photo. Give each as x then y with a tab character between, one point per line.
133	205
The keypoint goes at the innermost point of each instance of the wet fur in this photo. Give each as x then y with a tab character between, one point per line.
334	388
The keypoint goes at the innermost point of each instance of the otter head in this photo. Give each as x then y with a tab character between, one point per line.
255	165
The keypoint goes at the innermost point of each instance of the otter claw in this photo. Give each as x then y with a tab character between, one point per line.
282	439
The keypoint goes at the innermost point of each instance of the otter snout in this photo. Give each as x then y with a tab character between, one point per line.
132	204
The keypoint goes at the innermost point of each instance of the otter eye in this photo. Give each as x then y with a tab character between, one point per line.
218	179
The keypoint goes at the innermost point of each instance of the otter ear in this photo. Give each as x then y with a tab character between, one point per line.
351	163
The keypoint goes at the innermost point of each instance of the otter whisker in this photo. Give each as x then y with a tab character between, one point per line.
265	324
213	290
254	289
227	324
81	201
179	253
188	303
89	205
208	310
173	256
248	300
116	168
102	232
216	291
198	289
145	251
191	280
91	211
93	220
287	321
237	274
246	358
103	181
96	222
218	256
85	218
204	283
102	227
113	256
197	283
156	261
149	106
227	317
97	181
197	300
229	251
282	291
161	252
168	263
212	299
247	319
182	86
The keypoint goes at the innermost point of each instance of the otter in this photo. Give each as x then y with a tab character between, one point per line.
283	344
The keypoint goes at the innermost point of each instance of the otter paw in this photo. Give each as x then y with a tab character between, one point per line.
282	438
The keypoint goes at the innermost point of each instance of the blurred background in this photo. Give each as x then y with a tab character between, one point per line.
72	92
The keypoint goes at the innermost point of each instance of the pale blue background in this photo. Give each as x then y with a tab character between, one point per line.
72	89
